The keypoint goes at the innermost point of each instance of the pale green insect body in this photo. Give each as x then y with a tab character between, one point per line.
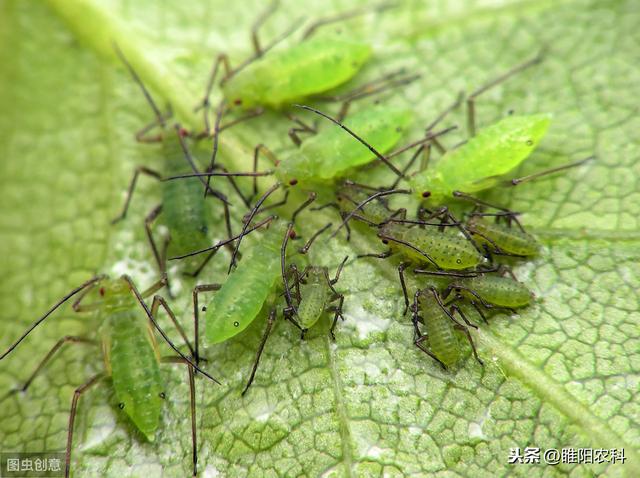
131	356
448	249
348	197
283	77
478	164
510	240
241	297
498	291
441	334
330	154
315	297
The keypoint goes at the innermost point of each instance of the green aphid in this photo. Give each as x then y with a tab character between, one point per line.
501	237
130	352
183	207
440	326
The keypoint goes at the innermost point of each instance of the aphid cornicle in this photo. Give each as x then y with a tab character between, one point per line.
130	352
440	325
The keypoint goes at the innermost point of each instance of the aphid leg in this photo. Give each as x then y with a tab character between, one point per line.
405	294
255	40
159	301
289	234
192	395
530	177
338	314
234	185
454	308
216	141
293	270
312	197
261	148
479	310
72	417
148	223
503	269
381	255
68	339
304	249
471	109
134	290
374	87
339	271
199	289
132	185
465	330
302	127
444	113
142	134
425	150
265	336
275	205
221	60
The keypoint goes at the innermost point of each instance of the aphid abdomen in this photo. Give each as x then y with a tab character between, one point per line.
448	249
330	153
314	300
441	334
500	291
241	297
284	76
477	164
184	208
509	239
134	370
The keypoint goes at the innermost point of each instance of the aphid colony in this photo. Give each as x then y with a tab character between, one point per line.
457	263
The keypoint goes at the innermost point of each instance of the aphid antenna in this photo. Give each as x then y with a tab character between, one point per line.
283	265
304	249
428	138
480	202
312	197
496	81
136	293
90	283
245	226
362	141
346	16
216	138
476	273
224	174
219	244
384	237
530	177
443	114
138	80
364	203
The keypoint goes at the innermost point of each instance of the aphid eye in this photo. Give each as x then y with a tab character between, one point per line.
237	102
236	324
102	291
293	182
529	142
384	241
183	132
162	395
121	405
426	194
292	234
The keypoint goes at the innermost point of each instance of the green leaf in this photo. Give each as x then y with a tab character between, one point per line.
563	373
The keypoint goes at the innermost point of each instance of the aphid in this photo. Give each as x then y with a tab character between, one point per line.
314	291
488	290
278	78
238	301
130	352
184	210
501	238
479	163
440	325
